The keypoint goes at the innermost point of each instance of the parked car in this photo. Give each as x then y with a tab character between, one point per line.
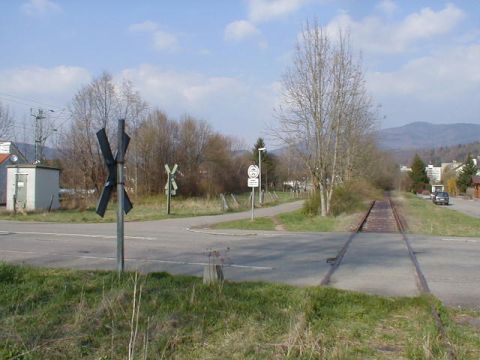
441	197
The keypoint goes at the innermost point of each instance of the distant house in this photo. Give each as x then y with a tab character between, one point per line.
405	168
457	167
9	155
434	173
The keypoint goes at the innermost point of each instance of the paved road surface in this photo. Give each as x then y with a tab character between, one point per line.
375	263
469	207
379	264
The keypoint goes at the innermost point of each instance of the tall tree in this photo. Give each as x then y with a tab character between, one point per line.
418	175
156	139
96	105
465	177
6	122
326	112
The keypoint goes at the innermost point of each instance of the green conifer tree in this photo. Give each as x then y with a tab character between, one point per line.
418	175
464	179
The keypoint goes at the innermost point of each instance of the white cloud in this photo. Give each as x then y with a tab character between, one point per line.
445	75
239	30
53	82
147	25
375	34
40	7
264	10
428	23
388	7
182	90
163	40
443	87
232	105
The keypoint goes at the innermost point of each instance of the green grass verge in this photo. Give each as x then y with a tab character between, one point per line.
261	223
294	221
424	217
52	314
297	221
152	208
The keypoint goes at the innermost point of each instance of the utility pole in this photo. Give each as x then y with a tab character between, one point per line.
260	195
38	132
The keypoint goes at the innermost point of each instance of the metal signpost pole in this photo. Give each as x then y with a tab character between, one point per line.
260	198
120	198
253	202
253	183
116	177
169	192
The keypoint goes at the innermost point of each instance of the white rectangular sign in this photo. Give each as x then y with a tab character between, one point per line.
253	182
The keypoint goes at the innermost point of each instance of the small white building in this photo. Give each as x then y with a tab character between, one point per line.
9	155
32	187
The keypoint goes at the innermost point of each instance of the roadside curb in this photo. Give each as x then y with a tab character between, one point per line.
208	232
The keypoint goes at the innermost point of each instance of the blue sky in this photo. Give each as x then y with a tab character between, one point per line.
223	61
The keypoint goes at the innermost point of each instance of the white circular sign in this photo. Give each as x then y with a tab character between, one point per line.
253	171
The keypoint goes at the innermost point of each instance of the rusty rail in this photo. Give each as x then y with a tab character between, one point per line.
422	283
336	261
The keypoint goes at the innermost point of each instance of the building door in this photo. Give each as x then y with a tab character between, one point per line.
21	191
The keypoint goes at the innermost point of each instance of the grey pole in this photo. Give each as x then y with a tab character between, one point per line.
253	203
260	198
169	192
120	198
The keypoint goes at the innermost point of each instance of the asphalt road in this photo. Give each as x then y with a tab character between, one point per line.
469	207
374	263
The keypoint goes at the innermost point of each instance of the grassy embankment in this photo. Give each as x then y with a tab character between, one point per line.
294	221
424	217
54	314
152	208
348	204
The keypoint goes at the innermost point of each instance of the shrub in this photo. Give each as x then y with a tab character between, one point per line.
347	198
312	204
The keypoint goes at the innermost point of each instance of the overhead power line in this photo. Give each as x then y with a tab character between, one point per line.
27	101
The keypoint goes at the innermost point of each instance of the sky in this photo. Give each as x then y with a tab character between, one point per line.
223	61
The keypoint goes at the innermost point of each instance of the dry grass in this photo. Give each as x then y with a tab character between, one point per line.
55	314
147	208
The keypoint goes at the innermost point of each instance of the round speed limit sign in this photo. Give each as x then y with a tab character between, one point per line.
253	171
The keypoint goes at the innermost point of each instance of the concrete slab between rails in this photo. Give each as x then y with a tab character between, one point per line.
377	263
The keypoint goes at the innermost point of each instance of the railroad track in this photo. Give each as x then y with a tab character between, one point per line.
383	217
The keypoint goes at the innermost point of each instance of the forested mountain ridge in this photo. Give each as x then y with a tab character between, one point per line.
424	135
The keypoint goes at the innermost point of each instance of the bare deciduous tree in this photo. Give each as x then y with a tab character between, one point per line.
6	122
326	111
97	105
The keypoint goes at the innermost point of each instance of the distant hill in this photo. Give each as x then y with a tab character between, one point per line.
424	135
437	155
29	151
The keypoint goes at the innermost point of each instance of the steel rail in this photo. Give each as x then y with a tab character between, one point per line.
338	259
422	282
